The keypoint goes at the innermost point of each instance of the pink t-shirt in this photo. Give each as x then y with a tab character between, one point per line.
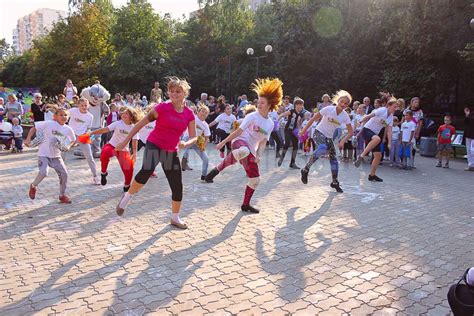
170	125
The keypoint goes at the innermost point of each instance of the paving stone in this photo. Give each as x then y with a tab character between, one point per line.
371	250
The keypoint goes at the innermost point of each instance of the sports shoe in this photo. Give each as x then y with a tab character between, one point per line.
335	185
122	205
294	166
250	209
32	192
203	178
375	178
126	188
178	225
438	165
211	175
96	180
469	169
446	166
64	199
222	154
280	161
103	178
358	162
304	175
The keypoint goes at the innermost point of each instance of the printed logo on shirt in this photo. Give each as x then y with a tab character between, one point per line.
123	131
57	133
258	129
78	120
333	121
383	123
149	127
446	134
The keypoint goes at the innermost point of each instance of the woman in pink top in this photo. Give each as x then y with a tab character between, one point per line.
172	119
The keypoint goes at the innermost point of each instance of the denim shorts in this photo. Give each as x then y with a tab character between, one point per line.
367	134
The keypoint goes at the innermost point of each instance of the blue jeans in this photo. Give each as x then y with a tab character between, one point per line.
395	152
406	154
202	155
18	143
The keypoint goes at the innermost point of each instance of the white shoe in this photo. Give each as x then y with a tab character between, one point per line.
96	180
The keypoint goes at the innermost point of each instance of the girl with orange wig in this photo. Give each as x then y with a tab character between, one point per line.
249	140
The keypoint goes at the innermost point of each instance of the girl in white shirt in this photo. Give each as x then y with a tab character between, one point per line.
224	122
250	139
129	117
374	122
331	118
81	122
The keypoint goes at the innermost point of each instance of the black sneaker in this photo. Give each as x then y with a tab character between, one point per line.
446	166
103	178
304	175
335	185
211	175
126	188
375	178
203	178
439	164
280	161
294	166
250	209
358	162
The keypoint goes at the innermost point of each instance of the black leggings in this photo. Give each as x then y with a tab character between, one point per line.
276	138
223	135
170	164
290	138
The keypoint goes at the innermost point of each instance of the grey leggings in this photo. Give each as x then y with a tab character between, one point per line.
58	165
87	152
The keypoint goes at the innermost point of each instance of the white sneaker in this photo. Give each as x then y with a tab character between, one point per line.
96	180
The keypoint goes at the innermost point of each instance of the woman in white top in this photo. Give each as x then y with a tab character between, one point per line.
331	118
374	122
250	139
69	90
224	122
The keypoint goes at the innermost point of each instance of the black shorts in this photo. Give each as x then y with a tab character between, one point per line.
367	134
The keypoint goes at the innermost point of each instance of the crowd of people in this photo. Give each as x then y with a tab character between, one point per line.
339	128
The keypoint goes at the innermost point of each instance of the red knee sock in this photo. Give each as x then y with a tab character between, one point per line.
248	195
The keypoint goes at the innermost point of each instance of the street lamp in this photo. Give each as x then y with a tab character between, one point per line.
159	61
250	52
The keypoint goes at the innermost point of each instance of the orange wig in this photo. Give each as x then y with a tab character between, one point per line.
270	89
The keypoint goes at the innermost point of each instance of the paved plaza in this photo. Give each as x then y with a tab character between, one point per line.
379	248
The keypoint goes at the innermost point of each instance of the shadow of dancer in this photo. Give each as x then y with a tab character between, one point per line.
169	278
69	288
291	260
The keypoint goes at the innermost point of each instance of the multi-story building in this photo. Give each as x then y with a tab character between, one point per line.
32	26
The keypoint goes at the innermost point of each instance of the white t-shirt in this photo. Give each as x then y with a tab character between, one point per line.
80	122
70	92
121	131
51	131
225	122
255	129
395	133
145	131
356	122
331	121
380	120
407	128
202	127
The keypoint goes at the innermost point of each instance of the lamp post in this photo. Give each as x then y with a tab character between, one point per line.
159	61
250	52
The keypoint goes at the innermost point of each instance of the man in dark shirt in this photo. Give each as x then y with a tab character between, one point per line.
469	136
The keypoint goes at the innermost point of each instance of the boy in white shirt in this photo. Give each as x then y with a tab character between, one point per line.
203	133
408	132
57	137
395	149
81	122
225	122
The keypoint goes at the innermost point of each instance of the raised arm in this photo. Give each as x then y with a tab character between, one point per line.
367	117
284	114
151	116
315	118
229	138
